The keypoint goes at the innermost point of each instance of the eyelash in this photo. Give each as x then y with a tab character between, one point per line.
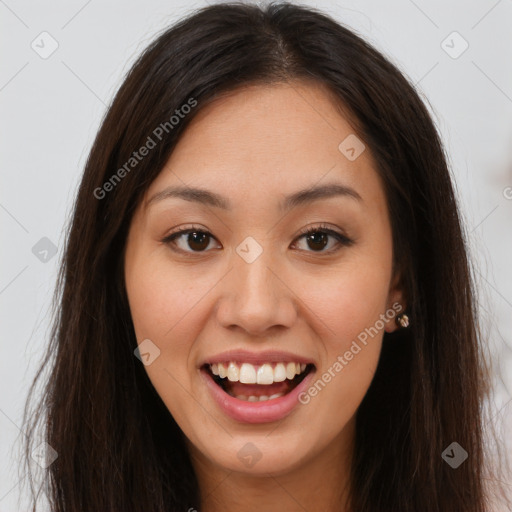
343	241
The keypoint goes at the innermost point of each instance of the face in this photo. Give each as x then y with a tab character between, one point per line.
239	303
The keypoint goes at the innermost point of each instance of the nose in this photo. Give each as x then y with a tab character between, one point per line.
256	298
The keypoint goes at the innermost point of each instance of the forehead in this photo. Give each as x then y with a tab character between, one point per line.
264	140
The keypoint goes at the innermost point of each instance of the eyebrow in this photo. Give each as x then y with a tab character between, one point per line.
299	198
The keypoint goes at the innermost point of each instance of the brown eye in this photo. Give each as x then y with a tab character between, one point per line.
317	241
189	240
193	240
318	238
198	241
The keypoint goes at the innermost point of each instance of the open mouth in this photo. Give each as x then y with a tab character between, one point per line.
257	383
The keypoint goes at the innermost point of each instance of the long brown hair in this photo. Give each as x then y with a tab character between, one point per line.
118	446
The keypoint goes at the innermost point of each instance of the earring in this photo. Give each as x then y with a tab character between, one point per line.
402	320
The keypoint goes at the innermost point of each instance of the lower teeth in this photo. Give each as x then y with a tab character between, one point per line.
261	398
224	384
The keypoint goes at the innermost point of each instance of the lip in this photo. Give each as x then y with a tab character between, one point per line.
256	412
257	358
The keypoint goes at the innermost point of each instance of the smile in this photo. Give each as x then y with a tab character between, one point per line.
257	393
252	383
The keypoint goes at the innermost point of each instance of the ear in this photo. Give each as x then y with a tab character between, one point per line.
396	303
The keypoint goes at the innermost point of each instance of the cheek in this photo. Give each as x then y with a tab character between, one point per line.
163	298
166	307
165	304
346	302
347	306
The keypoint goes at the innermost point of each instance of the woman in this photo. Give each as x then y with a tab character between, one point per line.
265	301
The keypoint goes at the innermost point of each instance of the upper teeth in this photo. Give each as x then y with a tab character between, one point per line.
247	373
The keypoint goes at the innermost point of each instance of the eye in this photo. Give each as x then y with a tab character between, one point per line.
196	239
317	238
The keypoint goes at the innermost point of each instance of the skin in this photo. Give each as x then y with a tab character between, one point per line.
254	146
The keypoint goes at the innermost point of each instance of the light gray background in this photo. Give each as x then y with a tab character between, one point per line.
51	109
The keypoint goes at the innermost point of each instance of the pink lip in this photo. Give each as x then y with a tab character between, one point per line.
256	412
243	356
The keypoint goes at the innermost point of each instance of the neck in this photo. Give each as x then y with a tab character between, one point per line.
319	485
